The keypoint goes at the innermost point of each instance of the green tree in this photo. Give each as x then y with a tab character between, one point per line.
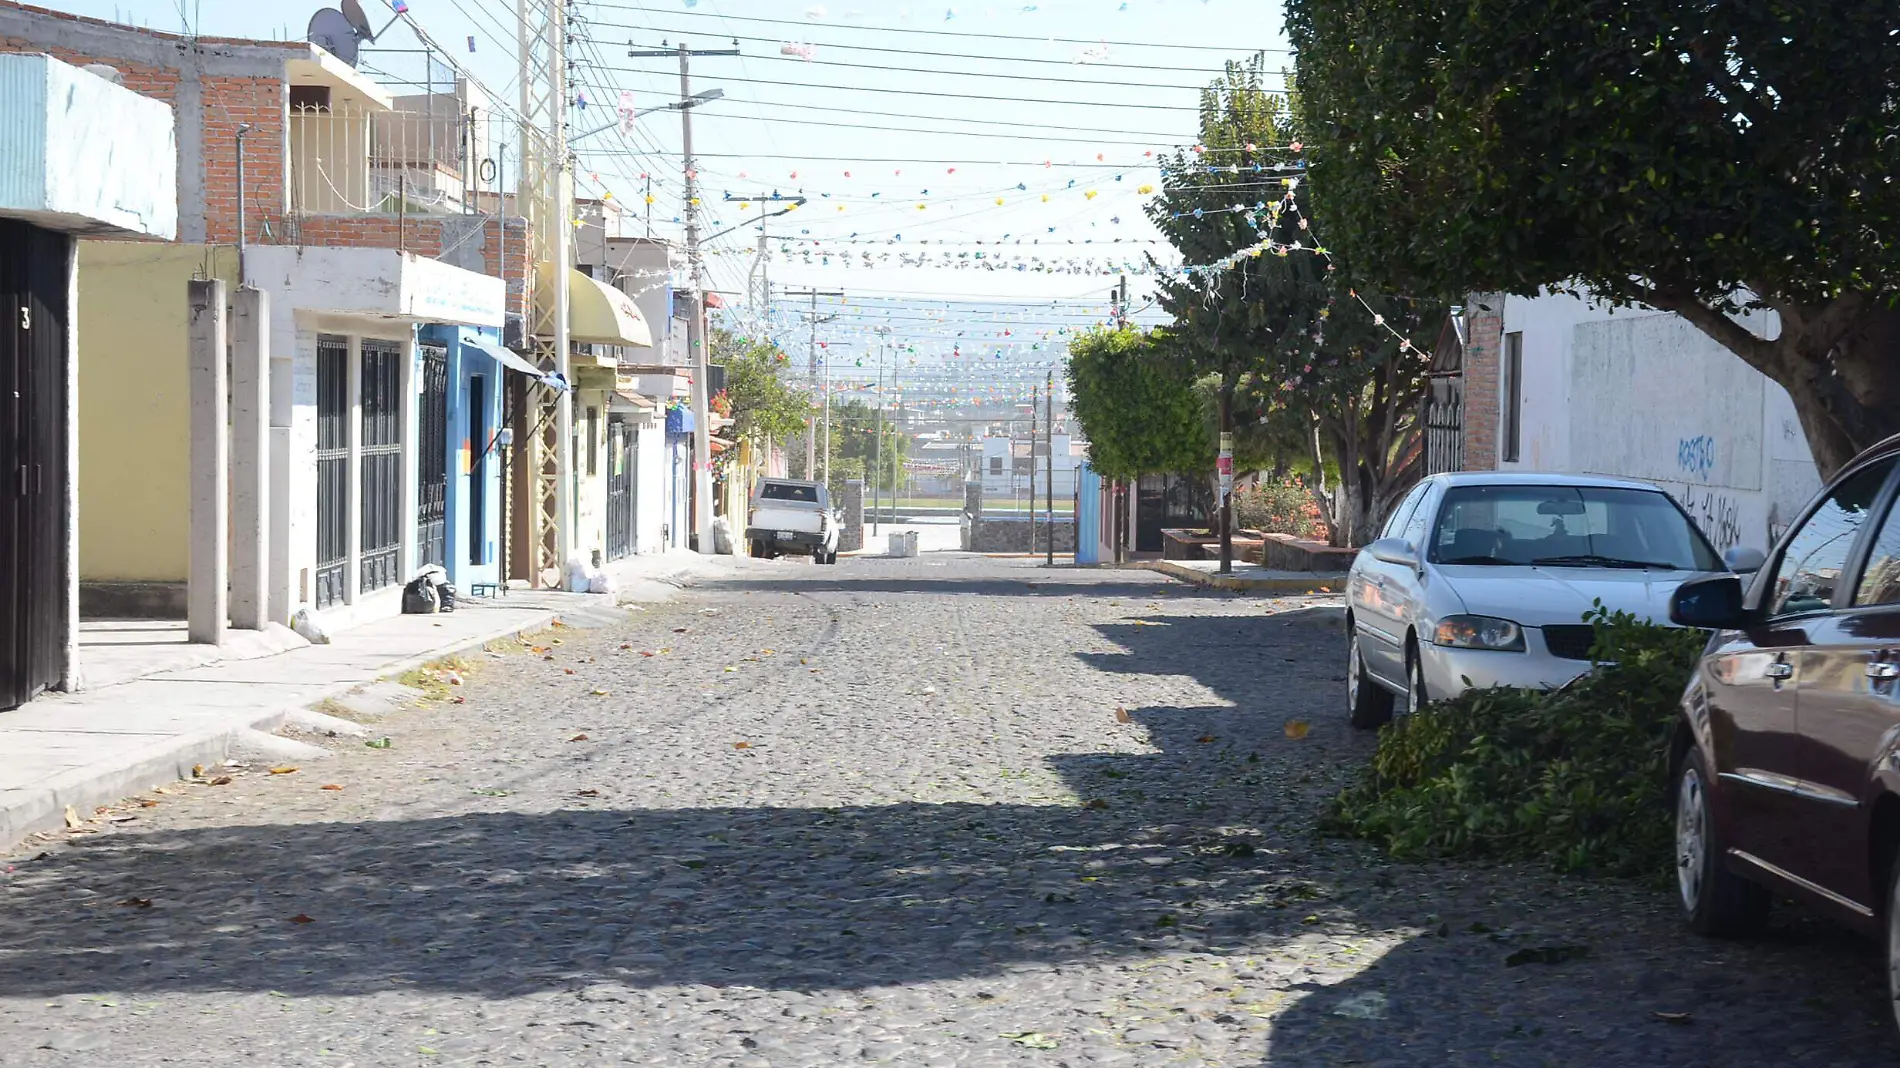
1140	414
1215	203
1704	159
763	407
855	449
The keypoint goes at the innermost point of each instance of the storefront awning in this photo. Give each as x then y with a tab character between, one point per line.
625	400
515	361
597	313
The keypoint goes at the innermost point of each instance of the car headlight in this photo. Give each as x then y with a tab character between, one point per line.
1480	632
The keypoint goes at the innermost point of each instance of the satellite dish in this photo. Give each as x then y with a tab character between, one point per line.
354	12
332	31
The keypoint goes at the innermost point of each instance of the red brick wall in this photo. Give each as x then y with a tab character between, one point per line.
513	271
229	102
1484	345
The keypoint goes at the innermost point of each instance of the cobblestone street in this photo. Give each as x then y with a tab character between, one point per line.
927	812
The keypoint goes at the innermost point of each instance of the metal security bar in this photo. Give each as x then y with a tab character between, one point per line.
382	465
432	459
333	468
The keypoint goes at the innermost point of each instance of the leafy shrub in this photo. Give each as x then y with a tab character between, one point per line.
1277	508
1573	775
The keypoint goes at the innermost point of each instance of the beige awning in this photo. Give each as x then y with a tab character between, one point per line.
597	313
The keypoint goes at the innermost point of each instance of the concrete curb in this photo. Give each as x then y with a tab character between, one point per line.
23	812
1271	584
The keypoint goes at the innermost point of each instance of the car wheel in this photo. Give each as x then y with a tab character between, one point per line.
1415	696
827	558
1369	702
1715	900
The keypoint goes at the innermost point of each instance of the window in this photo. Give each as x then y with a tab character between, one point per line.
788	491
1812	563
1567	526
1400	515
1880	579
1513	396
593	442
996	465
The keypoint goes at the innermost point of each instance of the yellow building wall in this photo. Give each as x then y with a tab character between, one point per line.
135	406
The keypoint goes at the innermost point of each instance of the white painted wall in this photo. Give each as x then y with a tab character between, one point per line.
1638	393
79	154
651	491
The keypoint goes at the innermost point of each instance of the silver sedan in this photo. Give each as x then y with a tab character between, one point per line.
1482	579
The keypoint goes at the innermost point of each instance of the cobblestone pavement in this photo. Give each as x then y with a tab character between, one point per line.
882	812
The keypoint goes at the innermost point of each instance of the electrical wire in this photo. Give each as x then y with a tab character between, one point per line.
958	33
1017	100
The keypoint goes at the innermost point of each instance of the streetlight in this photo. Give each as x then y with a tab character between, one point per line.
693	101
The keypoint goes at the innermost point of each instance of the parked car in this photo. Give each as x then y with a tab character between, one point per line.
1786	765
789	516
1482	579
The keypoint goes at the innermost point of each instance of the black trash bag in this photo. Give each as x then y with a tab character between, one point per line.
419	598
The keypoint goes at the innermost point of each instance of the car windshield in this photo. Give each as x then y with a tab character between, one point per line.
1568	526
788	491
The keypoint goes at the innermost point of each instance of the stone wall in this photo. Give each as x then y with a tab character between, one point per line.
851	503
992	534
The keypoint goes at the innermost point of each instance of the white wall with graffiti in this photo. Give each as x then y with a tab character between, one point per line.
1637	393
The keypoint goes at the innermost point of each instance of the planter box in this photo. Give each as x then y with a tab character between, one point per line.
1284	552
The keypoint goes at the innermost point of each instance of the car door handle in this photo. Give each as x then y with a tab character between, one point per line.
1883	670
1780	669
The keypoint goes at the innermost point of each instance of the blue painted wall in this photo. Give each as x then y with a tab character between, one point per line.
475	389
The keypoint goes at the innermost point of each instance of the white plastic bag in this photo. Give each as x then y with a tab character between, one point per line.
578	579
305	624
601	581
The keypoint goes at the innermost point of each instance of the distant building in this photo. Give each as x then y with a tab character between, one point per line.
1005	465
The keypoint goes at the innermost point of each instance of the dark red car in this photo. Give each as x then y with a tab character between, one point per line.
1787	766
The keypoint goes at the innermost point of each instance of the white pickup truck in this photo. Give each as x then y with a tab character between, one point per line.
789	516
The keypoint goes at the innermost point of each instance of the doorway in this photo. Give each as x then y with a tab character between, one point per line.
432	459
34	279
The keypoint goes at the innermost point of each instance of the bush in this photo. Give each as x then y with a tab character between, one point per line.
1575	776
1277	508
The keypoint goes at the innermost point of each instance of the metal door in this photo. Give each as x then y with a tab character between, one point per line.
1445	424
333	468
432	459
620	446
33	577
382	516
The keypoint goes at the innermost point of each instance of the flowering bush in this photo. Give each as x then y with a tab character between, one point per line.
1284	507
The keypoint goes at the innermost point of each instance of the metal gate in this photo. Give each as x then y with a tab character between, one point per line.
620	500
333	468
432	459
382	465
33	323
1445	424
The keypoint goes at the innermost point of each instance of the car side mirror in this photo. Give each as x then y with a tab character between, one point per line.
1713	602
1396	551
1743	560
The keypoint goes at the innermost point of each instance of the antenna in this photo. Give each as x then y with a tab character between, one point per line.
332	31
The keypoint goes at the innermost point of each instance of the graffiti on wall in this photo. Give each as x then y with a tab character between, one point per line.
1696	456
1718	514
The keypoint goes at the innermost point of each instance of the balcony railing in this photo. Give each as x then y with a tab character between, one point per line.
346	161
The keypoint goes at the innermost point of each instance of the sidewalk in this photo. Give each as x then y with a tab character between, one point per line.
173	705
1246	578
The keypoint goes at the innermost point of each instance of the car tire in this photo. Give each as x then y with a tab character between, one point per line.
1714	900
826	558
1370	704
1416	696
1893	940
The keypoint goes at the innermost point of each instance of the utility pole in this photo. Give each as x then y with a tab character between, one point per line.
758	281
1118	302
811	428
696	317
547	198
1032	468
1049	431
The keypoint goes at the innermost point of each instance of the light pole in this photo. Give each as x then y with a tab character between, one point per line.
883	345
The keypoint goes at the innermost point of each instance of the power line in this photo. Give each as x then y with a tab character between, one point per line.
1019	100
1173	68
965	162
831	110
957	33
